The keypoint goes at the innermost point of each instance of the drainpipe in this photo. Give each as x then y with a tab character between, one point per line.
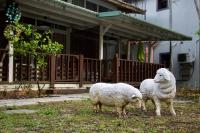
199	49
145	7
197	6
170	43
198	80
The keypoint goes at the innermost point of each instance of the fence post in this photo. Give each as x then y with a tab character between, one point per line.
52	70
116	65
81	59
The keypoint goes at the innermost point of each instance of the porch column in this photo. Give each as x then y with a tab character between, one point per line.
10	63
128	50
103	30
118	47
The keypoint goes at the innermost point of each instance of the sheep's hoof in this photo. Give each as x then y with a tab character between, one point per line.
96	111
143	110
158	116
174	114
125	116
120	117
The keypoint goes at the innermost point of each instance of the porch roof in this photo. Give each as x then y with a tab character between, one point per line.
138	29
120	24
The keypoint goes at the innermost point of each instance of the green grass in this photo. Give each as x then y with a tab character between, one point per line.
79	117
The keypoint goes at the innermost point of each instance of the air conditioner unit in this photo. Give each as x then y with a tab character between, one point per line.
185	58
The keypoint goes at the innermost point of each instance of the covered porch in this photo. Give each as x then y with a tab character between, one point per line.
93	46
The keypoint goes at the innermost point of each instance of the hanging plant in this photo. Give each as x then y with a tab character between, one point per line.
11	31
13	13
140	52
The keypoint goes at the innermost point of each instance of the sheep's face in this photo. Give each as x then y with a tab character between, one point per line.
162	75
136	97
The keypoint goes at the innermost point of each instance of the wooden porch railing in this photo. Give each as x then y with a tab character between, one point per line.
91	70
133	72
3	65
65	68
25	69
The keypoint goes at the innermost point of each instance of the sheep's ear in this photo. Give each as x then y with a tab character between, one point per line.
167	75
133	96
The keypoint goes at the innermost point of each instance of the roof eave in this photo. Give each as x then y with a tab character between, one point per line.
126	7
135	25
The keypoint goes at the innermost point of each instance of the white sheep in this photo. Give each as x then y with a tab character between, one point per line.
161	88
114	95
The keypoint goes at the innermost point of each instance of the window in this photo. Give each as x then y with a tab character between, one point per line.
128	1
162	4
78	2
103	9
165	59
91	6
44	24
27	20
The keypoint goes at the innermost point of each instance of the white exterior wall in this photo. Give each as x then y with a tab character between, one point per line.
185	21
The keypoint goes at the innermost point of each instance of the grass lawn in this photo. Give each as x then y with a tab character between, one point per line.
79	117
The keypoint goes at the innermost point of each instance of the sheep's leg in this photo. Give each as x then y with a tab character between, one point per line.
171	107
119	111
157	103
100	107
153	103
139	103
124	110
95	107
143	104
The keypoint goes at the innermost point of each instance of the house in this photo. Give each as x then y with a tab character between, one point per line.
99	38
180	16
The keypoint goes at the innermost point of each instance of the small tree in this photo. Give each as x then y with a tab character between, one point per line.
27	41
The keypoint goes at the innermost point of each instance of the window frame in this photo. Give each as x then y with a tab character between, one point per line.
91	4
161	9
